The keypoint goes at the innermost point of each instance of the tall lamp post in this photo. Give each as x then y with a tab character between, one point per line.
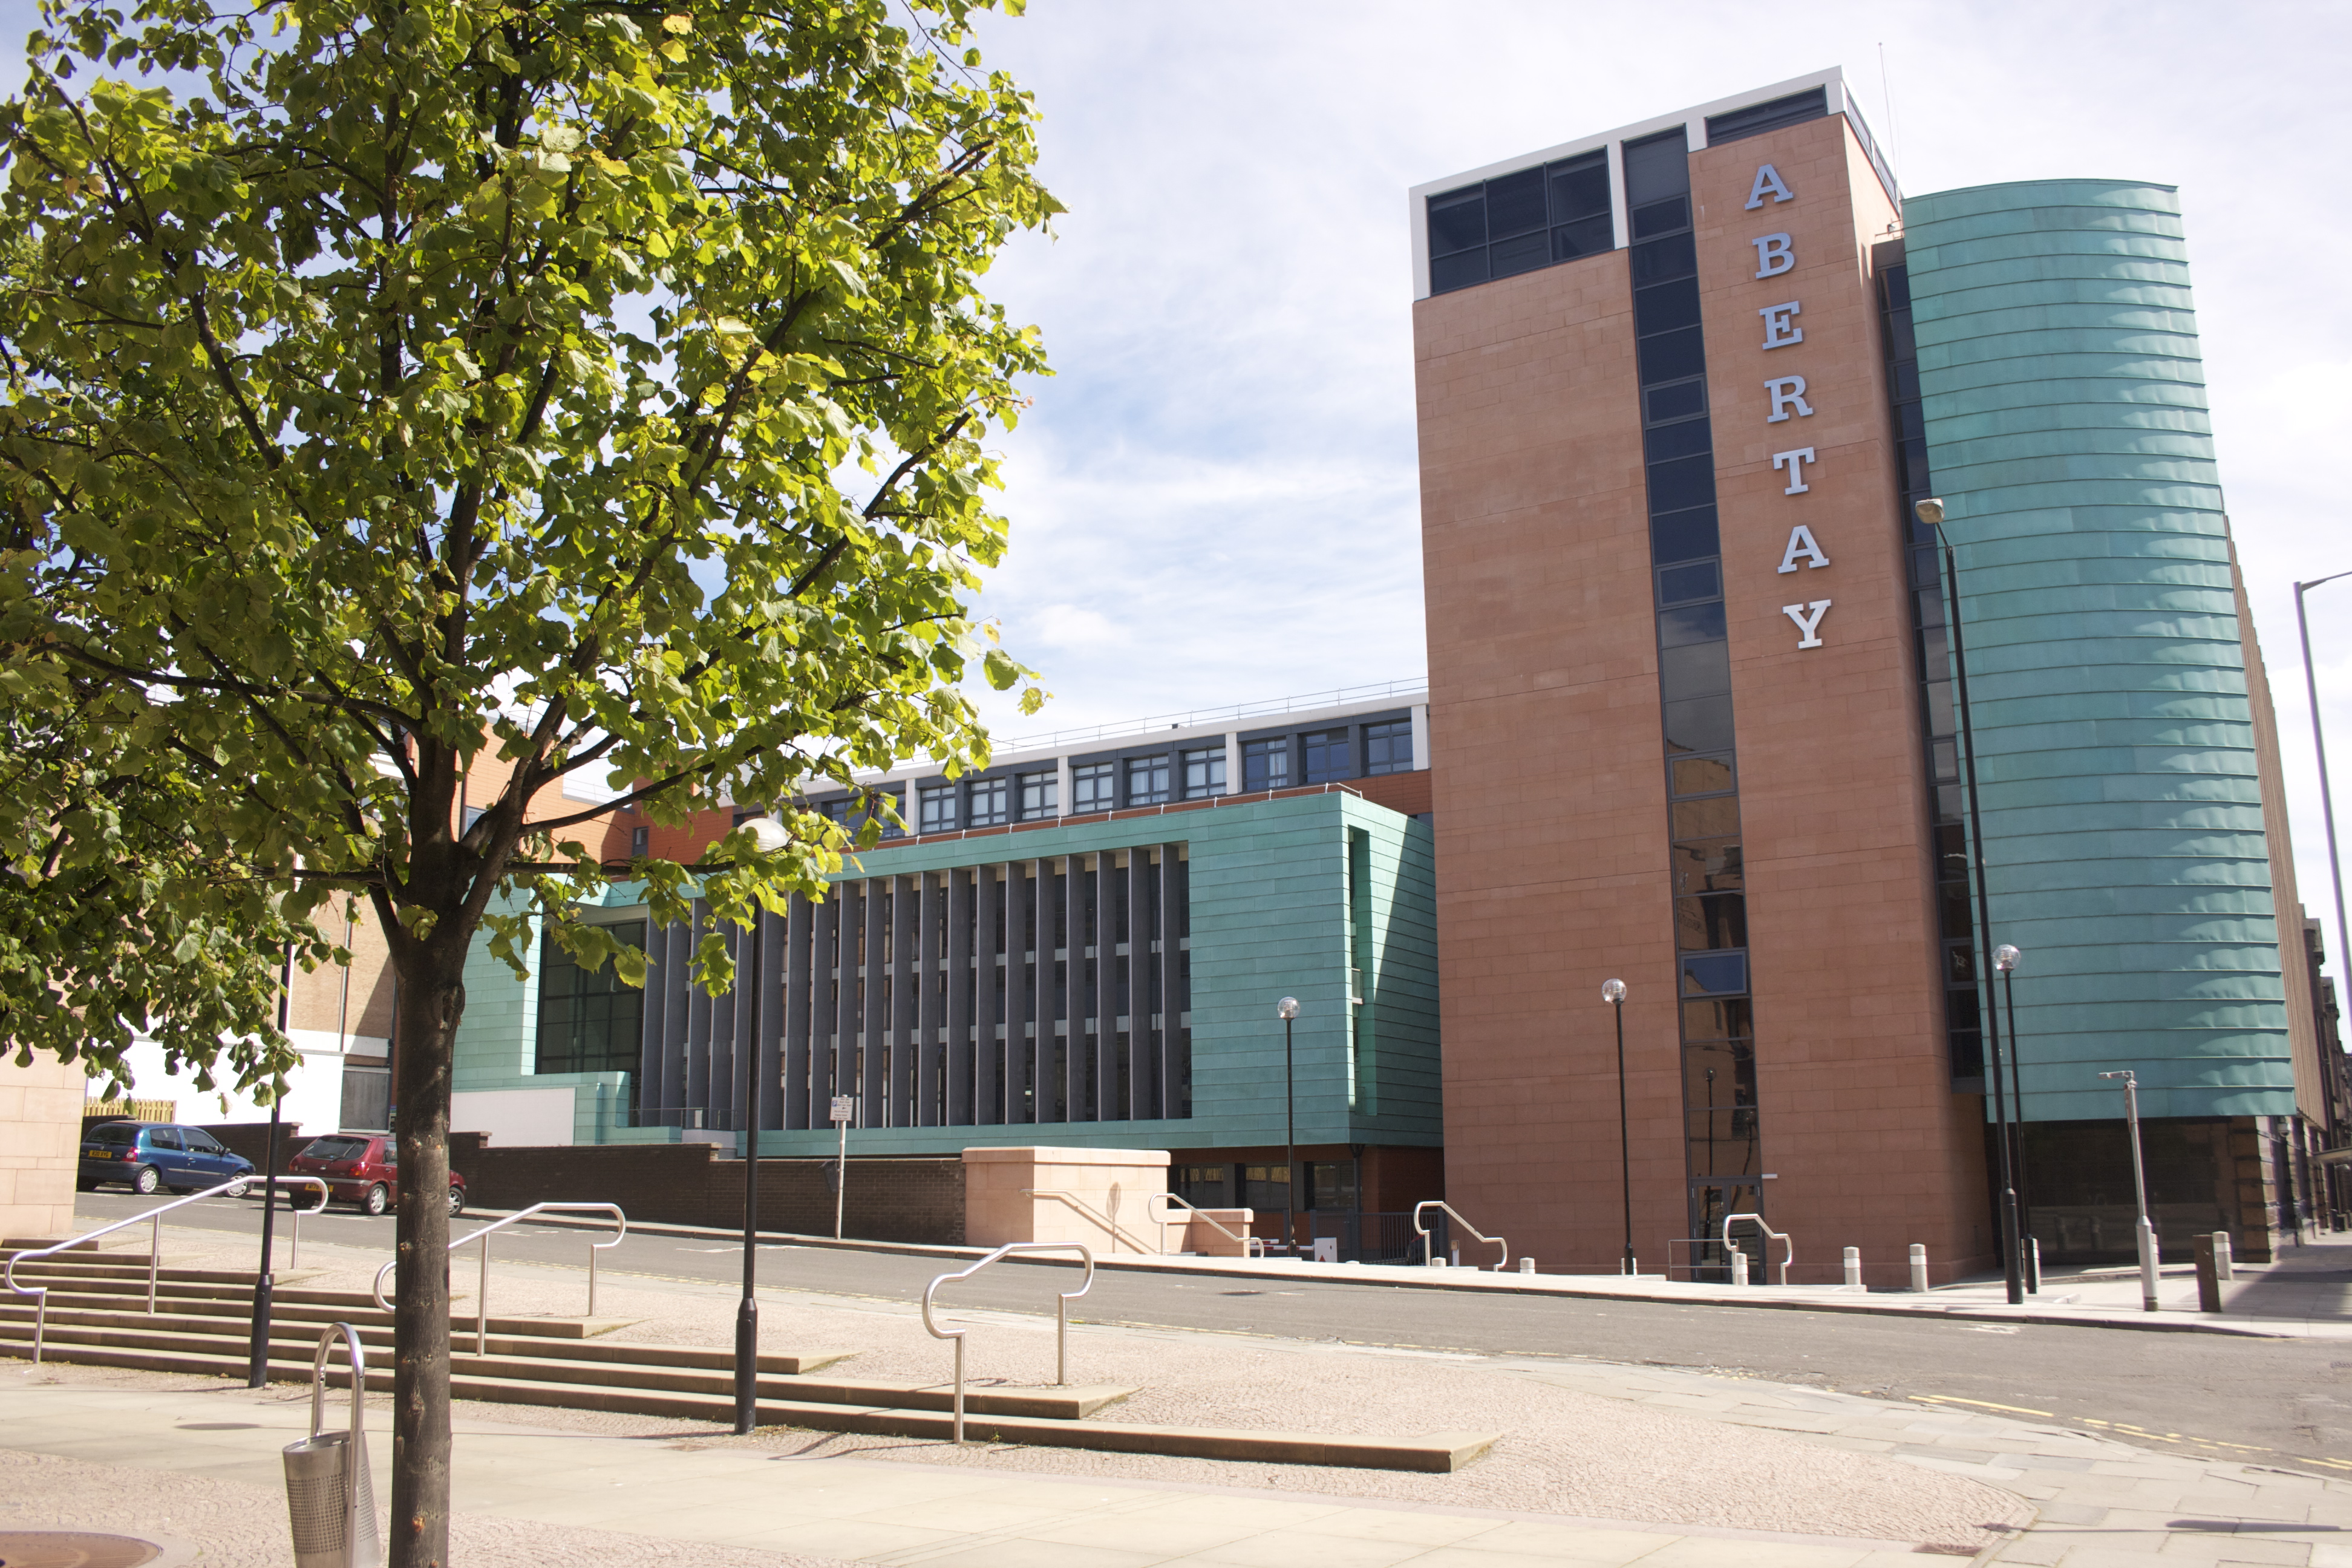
768	836
1930	511
2139	1192
2004	961
1287	1011
2319	747
1614	993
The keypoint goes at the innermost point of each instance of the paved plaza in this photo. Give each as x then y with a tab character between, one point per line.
1628	1463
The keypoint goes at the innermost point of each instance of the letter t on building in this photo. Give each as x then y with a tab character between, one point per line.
1794	460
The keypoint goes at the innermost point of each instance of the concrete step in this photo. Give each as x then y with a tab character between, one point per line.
594	1358
18	1310
641	1372
1437	1453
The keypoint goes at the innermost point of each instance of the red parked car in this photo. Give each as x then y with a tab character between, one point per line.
363	1168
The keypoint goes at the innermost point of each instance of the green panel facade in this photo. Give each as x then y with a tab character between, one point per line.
2068	435
1312	896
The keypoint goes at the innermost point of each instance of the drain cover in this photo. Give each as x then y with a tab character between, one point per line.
73	1549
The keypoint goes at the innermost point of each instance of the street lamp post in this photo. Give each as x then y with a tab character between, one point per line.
2139	1192
768	836
1930	511
1614	993
2005	960
1287	1011
256	1371
2326	805
2319	747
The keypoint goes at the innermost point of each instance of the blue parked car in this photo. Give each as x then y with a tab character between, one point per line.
145	1155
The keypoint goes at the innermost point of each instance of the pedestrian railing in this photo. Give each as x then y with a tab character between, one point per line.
1060	1312
1250	1246
482	1287
1788	1247
234	1187
1428	1247
1110	1222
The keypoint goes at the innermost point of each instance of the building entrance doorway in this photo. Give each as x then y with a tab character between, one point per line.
1711	1202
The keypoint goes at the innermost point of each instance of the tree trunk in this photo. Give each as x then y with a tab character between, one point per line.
432	998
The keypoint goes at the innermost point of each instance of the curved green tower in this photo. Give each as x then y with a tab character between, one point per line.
2066	421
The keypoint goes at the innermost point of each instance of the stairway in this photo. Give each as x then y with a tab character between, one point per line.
203	1325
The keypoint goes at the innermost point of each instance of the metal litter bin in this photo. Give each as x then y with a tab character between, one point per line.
330	1491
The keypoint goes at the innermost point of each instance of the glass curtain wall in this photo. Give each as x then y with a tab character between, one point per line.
1955	912
1718	1037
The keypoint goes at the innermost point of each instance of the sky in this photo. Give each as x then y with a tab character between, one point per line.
1214	500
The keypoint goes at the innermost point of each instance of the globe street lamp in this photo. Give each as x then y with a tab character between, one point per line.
1614	993
1930	511
2004	959
1287	1011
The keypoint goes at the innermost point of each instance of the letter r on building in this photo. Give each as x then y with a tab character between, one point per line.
1788	394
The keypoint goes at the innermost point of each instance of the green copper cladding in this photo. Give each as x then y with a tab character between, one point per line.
2068	436
1287	896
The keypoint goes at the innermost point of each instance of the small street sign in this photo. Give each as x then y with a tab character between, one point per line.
842	1110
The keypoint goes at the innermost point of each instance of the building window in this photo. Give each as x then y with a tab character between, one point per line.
639	841
1147	781
1388	747
589	1020
1094	787
1326	756
852	810
1040	796
938	808
1265	765
1518	222
992	802
1204	772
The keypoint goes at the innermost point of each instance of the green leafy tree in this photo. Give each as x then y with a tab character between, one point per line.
390	388
128	914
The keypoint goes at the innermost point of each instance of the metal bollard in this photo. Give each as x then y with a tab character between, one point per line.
1738	1266
2034	1266
2209	1287
1918	1268
330	1491
2224	1263
1853	1266
1526	1265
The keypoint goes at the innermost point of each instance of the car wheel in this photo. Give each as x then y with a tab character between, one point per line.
457	1202
241	1189
377	1200
145	1180
82	1186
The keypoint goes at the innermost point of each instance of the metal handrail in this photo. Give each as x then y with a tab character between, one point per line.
1250	1246
1060	1312
482	1289
1427	1246
154	1244
1110	1222
1788	1247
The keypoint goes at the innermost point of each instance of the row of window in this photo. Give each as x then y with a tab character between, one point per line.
1710	900
1964	1040
1520	221
1318	756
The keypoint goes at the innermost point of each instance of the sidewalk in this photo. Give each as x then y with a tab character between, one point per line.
827	1510
197	1459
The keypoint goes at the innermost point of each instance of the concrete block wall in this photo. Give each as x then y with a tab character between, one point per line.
40	1124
